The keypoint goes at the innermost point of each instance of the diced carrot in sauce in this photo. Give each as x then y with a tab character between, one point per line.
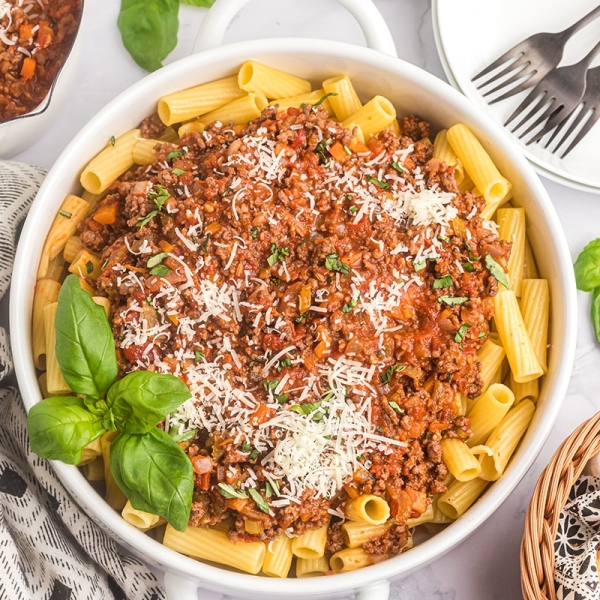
26	32
262	414
165	246
28	68
212	228
338	152
106	214
304	298
44	35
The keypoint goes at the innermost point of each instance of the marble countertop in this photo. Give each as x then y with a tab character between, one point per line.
486	565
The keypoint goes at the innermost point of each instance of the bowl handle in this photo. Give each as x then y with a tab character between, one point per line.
376	31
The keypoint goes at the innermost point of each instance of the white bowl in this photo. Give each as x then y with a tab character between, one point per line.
21	132
411	90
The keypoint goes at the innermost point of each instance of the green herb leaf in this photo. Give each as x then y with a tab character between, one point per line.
254	454
349	305
443	238
333	263
269	490
161	270
59	428
300	318
587	267
471	255
324	98
198	356
284	362
113	141
347	151
65	214
246	447
176	153
460	334
228	491
178	171
89	267
469	267
452	300
481	335
595	313
190	434
203	3
156	260
419	265
270	384
443	282
496	270
386	376
142	221
277	254
259	500
353	210
159	194
309	408
254	233
85	347
281	398
204	246
380	184
155	474
395	406
397	167
149	30
142	399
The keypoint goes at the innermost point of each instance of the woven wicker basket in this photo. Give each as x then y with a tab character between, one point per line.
549	497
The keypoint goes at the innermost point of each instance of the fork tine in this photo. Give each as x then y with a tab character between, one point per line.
514	52
558	116
519	74
519	64
524	85
576	121
539	120
589	124
520	110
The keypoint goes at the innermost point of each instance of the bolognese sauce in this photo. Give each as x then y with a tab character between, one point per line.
323	299
35	39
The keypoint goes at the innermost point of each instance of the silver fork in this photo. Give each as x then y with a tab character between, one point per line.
558	94
531	59
590	107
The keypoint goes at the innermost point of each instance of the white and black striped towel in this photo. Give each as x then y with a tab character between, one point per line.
49	548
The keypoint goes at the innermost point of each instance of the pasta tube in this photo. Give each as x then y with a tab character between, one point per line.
278	557
311	567
311	544
214	545
239	111
460	496
459	460
72	248
490	355
350	559
46	292
346	101
43	383
488	411
196	126
272	83
55	381
139	518
94	471
373	117
356	533
443	151
529	390
535	307
521	355
478	164
109	164
199	100
86	264
90	452
71	212
529	269
504	439
368	508
511	228
143	152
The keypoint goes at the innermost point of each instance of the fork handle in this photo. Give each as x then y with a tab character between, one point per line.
569	31
587	60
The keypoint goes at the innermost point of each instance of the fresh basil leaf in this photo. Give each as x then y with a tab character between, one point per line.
228	491
469	267
161	270
384	185
496	270
203	3
59	428
262	504
155	474
143	221
396	408
149	30
142	399
443	282
595	312
85	348
156	260
309	408
333	263
587	267
452	300
183	437
386	376
419	265
460	334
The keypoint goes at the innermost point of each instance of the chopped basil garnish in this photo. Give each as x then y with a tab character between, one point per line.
395	406
300	318
320	150
156	260
112	140
259	500
469	267
159	195
161	270
142	221
481	335
278	254
460	334
380	184
324	98
349	305
183	437
496	270
419	265
333	263
89	267
198	356
246	447
254	233
285	362
178	171
281	398
353	210
269	490
309	408
177	153
65	214
397	167
386	376
347	151
443	238
204	246
471	255
253	455
443	282
228	491
452	300
270	384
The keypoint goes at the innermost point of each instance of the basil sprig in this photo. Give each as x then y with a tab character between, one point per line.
149	28
148	465
587	276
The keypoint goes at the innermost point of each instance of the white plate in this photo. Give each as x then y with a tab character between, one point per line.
471	34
